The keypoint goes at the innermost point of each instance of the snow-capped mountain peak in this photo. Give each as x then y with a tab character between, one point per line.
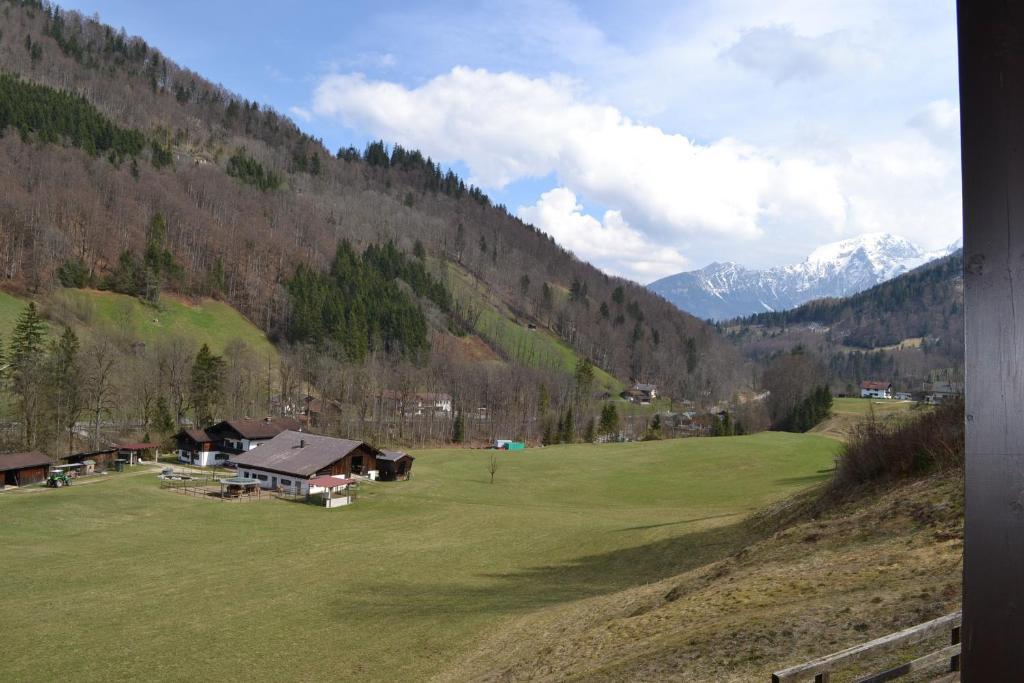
726	290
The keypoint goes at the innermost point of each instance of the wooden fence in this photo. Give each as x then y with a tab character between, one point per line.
948	657
208	487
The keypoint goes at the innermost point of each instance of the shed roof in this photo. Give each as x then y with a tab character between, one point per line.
393	456
873	385
17	461
141	446
298	453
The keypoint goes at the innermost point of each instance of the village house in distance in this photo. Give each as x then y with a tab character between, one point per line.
641	393
873	389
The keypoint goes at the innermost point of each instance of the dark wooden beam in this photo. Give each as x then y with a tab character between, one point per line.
991	48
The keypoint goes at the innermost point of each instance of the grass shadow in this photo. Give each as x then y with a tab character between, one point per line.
806	480
588	576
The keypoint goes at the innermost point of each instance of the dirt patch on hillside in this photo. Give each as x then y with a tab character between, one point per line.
470	348
823	583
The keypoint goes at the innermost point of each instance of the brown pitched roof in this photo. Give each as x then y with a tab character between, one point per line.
197	435
298	454
872	385
266	428
17	461
136	446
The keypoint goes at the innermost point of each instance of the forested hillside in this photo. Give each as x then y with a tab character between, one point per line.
122	170
907	330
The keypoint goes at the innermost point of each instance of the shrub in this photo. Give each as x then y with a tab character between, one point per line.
74	273
878	450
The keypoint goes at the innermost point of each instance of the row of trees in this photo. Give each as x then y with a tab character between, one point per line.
59	394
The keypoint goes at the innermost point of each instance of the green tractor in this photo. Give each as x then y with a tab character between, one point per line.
57	479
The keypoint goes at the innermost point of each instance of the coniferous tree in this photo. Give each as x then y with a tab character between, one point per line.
163	421
568	432
458	428
27	372
157	261
207	385
609	424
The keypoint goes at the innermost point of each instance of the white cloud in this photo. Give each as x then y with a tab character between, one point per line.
301	113
506	127
610	244
782	54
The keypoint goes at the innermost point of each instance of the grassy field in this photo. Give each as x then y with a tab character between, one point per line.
847	412
862	406
120	579
204	321
10	307
537	348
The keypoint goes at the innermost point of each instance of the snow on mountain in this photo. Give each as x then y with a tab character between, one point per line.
726	290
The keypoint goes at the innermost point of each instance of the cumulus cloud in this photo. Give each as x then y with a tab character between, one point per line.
610	244
506	126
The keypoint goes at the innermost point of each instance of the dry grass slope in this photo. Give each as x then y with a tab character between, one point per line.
819	584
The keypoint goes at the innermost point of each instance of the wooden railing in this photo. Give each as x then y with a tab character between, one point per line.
823	667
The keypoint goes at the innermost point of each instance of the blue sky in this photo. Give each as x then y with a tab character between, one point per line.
649	137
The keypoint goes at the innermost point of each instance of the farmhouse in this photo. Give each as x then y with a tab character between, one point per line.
196	447
873	389
291	459
20	469
418	404
394	465
215	445
641	393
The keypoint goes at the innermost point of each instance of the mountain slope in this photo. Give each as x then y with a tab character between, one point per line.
247	197
807	584
722	291
905	330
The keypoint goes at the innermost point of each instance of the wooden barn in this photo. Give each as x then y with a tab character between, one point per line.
291	459
394	466
102	460
21	469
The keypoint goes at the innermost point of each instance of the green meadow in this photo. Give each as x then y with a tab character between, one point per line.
204	321
121	579
501	328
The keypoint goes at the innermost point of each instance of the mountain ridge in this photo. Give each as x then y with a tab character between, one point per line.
721	291
244	197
